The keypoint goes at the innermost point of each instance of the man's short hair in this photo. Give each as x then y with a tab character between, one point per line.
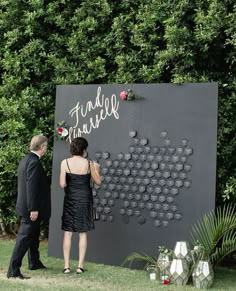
37	141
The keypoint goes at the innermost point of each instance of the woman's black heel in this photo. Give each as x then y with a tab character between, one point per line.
66	271
79	271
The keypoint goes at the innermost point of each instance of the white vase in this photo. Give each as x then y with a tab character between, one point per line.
203	275
183	251
179	272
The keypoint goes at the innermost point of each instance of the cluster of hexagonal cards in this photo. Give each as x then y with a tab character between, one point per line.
144	181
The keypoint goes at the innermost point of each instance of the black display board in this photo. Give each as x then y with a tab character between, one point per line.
158	164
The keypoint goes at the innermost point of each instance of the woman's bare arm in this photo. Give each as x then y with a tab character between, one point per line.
63	175
95	173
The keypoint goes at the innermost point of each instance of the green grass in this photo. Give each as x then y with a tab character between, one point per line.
98	276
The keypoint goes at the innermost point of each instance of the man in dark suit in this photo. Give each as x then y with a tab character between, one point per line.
33	206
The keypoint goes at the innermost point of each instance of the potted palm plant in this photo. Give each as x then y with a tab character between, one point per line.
149	262
214	237
215	232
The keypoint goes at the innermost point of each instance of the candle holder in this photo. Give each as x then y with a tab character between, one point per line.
153	272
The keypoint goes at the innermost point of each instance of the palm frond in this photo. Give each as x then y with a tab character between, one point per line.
149	260
214	229
228	245
204	231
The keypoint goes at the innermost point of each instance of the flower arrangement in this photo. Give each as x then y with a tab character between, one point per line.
61	130
129	95
199	253
165	251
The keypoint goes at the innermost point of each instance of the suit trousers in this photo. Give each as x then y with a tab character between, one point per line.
27	240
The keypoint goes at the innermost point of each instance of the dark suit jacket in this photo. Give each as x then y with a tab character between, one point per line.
33	188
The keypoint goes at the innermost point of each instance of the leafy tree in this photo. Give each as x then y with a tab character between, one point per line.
49	42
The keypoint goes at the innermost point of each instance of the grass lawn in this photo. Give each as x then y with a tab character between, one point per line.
98	276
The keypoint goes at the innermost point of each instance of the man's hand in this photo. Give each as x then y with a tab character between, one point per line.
34	215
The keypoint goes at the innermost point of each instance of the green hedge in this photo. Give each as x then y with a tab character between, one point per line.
45	43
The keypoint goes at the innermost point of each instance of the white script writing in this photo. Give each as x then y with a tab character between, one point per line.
101	108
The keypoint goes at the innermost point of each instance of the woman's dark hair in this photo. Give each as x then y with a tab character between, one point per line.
78	146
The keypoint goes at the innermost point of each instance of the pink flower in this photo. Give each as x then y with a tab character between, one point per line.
60	130
123	95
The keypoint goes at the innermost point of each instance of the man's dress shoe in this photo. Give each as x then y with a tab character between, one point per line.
37	267
21	277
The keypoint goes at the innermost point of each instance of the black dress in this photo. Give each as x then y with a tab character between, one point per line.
78	203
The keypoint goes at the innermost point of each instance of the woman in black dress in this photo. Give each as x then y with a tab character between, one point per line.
75	177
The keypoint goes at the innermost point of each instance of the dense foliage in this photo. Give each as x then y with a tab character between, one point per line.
50	42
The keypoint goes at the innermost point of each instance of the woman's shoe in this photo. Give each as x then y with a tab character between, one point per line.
66	271
79	271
